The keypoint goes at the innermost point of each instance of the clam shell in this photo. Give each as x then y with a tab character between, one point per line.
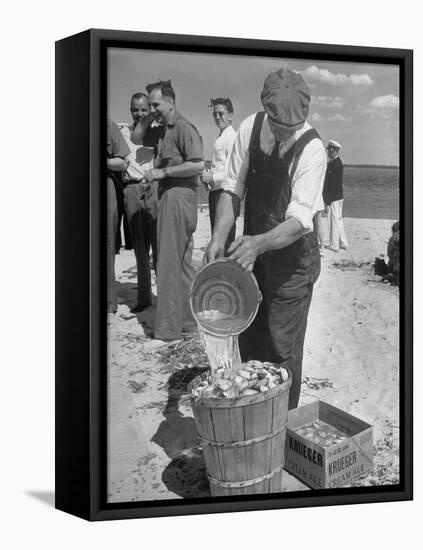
255	364
248	368
264	389
284	374
244	374
250	392
224	384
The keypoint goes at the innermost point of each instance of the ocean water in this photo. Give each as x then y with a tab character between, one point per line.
371	192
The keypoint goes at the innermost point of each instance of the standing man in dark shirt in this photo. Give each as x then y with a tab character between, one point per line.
117	150
333	197
140	199
178	164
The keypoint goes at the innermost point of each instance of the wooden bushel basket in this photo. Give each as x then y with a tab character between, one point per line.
243	440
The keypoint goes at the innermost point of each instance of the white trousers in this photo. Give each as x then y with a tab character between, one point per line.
337	235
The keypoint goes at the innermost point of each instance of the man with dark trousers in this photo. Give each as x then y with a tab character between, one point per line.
140	198
117	151
333	196
279	161
179	163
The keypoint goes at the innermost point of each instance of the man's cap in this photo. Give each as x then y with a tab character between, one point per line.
333	143
286	98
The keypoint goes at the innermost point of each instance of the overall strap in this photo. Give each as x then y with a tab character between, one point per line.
298	148
255	134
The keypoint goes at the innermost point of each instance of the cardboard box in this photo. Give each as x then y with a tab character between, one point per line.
328	467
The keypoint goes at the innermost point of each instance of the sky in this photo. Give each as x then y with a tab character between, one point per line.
357	104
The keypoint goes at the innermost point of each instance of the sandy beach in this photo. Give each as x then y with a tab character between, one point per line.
351	360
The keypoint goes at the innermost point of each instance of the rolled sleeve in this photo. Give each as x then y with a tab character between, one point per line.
116	144
307	185
191	143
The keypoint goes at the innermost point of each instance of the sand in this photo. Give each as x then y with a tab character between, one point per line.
351	359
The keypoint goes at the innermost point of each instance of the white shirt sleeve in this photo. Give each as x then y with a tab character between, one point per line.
223	148
307	185
236	168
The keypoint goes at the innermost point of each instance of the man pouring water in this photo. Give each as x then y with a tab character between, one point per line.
278	163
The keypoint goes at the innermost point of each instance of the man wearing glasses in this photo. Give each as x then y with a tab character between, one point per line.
213	178
333	197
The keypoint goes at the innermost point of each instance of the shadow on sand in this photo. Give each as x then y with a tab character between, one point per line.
127	295
177	435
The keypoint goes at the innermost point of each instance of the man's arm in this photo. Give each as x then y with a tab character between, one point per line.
117	149
184	170
306	200
117	164
245	249
227	205
191	147
138	133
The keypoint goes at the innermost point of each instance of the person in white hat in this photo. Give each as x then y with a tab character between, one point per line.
333	196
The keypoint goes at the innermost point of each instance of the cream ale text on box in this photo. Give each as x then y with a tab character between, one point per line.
322	467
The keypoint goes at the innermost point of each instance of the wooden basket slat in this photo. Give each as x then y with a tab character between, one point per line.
228	421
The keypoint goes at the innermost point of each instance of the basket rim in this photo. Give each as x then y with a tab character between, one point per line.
241	400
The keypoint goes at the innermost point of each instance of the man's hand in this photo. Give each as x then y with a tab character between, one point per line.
244	250
214	250
155	174
207	179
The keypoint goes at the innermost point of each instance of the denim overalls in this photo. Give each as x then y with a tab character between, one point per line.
285	276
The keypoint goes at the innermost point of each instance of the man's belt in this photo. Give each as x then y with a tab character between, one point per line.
132	182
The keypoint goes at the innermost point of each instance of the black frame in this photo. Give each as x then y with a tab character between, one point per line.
80	312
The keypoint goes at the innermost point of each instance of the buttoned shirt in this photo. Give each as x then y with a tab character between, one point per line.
307	182
181	143
221	151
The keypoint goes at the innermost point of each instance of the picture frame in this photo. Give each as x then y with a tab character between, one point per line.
81	330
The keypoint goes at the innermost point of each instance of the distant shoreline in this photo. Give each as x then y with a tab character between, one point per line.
371	166
387	166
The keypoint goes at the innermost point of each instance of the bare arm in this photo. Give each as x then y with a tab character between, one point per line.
138	133
225	218
245	249
185	170
116	164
